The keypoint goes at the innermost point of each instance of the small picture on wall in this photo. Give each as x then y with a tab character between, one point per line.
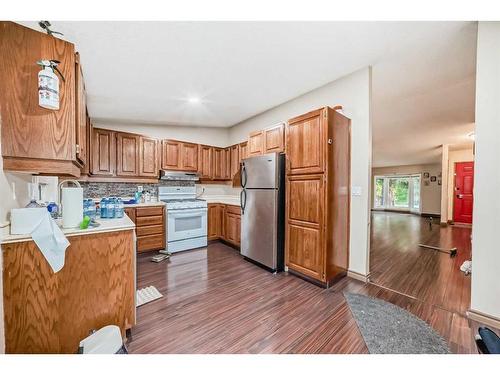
433	178
439	182
426	183
426	174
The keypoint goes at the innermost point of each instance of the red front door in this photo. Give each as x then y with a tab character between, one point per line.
464	186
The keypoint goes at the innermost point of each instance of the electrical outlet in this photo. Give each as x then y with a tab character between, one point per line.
14	191
140	188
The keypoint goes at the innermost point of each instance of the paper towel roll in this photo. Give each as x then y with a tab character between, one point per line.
72	206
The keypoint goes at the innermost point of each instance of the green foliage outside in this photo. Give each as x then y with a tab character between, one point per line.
398	192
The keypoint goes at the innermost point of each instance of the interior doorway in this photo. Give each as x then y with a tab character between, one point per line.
463	192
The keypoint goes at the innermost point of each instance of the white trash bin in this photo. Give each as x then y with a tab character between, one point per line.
107	340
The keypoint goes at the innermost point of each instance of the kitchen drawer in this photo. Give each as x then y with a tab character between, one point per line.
233	209
149	230
148	211
154	242
148	220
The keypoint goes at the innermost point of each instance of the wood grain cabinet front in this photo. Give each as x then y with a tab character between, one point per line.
224	222
148	157
81	115
205	162
179	156
274	139
127	154
219	164
36	139
318	195
103	149
150	227
47	312
256	143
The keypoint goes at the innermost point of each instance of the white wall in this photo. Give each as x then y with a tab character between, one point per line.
486	216
207	135
430	195
354	93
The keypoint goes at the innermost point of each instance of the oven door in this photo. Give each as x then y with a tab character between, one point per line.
184	224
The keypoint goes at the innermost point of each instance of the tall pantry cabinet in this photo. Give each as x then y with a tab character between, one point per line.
318	195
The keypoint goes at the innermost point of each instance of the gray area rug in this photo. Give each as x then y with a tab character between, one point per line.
389	329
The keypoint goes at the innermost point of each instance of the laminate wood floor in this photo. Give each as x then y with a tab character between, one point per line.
216	302
398	263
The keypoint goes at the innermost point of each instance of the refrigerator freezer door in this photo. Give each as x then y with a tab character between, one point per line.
260	172
258	227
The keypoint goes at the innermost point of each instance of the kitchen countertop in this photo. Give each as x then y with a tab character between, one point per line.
107	225
222	199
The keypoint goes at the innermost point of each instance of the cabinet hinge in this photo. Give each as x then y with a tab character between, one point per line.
77	149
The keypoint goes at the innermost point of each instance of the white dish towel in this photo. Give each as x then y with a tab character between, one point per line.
51	241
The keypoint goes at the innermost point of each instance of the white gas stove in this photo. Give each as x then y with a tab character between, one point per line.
186	217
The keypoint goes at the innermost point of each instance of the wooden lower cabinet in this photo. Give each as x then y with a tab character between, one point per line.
318	195
224	222
150	227
47	312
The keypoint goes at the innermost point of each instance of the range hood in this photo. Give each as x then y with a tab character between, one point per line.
179	176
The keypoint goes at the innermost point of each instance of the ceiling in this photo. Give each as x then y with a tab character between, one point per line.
145	72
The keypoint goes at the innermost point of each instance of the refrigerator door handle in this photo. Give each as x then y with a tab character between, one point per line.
243	200
243	175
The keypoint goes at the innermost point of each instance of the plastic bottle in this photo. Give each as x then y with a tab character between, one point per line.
119	208
85	207
104	208
111	207
92	209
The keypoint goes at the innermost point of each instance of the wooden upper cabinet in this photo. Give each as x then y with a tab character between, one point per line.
219	167
36	139
274	139
179	156
171	155
148	157
243	150
81	114
205	164
235	160
103	152
127	154
85	170
227	164
305	143
256	143
189	157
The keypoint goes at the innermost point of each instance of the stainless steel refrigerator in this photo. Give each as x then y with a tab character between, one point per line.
263	210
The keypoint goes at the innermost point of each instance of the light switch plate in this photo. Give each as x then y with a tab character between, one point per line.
356	191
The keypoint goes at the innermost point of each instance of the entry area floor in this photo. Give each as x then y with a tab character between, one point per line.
216	302
399	264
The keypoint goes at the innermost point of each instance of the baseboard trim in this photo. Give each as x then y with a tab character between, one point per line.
358	276
483	318
434	216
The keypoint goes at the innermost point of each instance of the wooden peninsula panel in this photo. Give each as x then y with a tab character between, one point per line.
52	313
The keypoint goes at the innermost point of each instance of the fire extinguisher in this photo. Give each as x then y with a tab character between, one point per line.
48	84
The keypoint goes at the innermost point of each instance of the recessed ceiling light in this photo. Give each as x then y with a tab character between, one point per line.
471	135
193	99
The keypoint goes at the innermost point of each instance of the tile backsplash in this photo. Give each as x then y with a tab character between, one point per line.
124	189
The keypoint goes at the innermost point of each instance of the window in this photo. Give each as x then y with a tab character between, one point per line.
397	192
